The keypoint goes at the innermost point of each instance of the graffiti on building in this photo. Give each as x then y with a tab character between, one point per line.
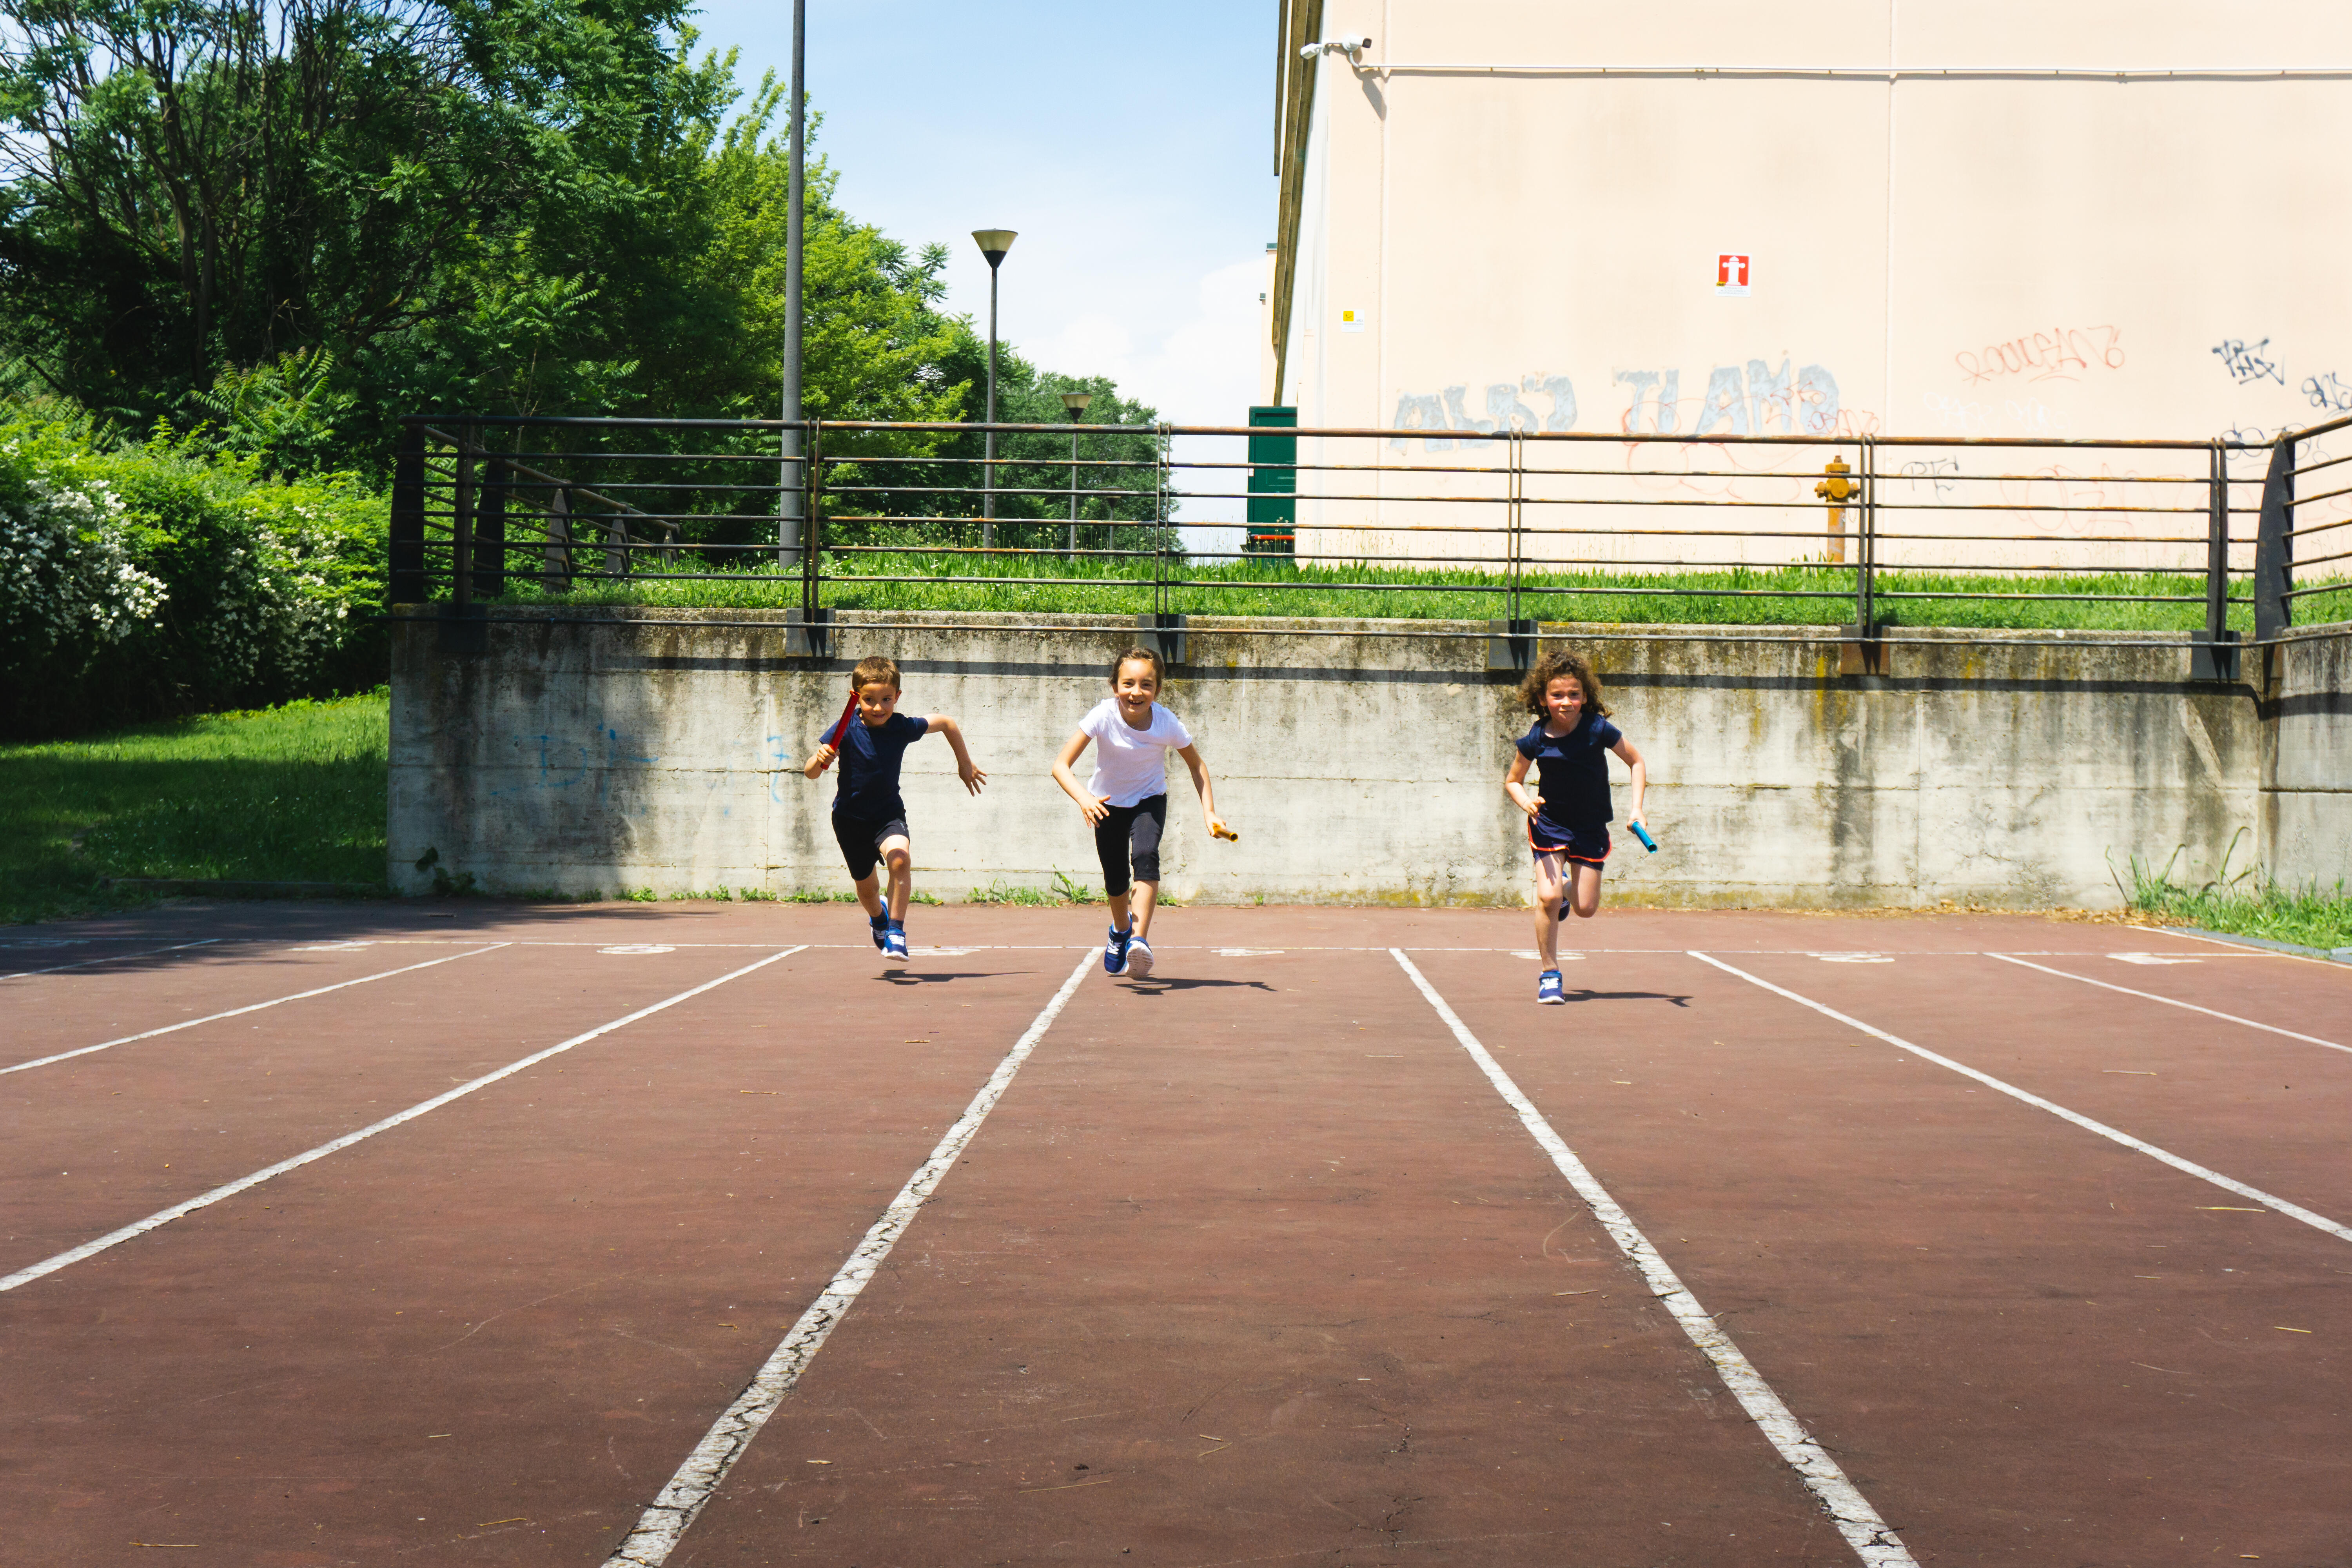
2326	392
2247	361
1758	402
1505	410
1763	402
1934	471
2062	353
2006	416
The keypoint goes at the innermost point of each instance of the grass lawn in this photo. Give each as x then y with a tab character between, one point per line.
2123	601
2309	917
291	793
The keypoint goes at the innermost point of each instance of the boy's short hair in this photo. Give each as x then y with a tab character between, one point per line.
1140	656
1558	666
874	670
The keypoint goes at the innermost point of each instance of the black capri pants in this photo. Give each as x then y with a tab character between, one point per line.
1131	831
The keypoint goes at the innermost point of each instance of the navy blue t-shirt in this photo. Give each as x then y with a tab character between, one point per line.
1572	770
869	765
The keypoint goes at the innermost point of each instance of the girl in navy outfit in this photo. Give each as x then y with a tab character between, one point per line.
1567	823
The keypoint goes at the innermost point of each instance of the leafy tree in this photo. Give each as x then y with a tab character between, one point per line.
208	183
276	226
532	206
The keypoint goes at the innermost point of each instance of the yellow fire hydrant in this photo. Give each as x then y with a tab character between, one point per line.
1836	489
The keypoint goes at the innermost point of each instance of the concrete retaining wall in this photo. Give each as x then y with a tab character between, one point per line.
2306	793
578	750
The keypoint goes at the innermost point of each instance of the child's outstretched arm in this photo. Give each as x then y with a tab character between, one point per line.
940	724
1515	785
1199	770
1633	759
1095	807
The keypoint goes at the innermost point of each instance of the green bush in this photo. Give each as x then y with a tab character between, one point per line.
146	581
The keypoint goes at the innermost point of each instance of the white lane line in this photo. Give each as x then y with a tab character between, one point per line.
109	958
2292	1211
240	1012
205	1200
2172	1002
665	1519
1872	1540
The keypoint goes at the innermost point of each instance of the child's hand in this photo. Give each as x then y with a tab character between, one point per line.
1095	808
819	760
1532	804
973	777
1217	829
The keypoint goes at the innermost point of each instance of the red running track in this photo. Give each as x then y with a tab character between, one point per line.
1250	1264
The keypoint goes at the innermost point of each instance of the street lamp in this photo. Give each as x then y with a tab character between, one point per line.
1076	402
790	480
993	244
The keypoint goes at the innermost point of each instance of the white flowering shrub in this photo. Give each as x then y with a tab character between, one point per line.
67	578
141	581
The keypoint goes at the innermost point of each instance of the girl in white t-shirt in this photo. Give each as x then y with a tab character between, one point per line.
1127	799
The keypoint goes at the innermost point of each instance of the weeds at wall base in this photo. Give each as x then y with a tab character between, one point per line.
2247	904
1064	892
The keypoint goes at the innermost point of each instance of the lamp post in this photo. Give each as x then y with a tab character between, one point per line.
1076	402
993	244
791	482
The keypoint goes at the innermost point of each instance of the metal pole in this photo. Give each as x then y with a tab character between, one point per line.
2217	549
405	559
813	558
1866	546
1162	593
789	483
1074	487
988	468
1513	517
2274	551
461	522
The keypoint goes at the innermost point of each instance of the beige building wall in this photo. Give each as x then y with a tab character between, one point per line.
2010	255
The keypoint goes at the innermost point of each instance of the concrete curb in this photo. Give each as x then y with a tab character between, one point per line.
192	887
2339	955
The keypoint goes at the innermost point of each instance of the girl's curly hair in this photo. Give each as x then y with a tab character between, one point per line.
1555	666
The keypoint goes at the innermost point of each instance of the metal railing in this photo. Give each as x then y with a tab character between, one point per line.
1505	524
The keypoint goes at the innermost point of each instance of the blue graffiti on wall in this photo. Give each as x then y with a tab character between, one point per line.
1756	403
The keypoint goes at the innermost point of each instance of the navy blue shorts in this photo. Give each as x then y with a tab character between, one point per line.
1586	846
861	837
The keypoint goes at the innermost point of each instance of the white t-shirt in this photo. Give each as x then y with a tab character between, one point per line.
1131	765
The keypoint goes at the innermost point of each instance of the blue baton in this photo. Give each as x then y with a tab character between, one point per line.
1642	833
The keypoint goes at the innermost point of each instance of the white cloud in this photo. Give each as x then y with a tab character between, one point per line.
1195	361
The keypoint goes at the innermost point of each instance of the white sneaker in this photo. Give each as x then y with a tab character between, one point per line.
1138	959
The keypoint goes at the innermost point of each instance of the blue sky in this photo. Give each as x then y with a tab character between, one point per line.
1130	148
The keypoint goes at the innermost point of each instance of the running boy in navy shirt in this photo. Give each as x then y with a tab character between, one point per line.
869	819
1568	823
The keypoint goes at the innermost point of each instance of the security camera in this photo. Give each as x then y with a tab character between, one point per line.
1352	46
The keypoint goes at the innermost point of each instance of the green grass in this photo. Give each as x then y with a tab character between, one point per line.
1067	891
1738	597
2246	905
291	793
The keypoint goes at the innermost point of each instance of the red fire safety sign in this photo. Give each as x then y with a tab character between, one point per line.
1730	273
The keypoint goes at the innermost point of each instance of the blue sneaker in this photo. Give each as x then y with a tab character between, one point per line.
881	924
1547	991
1138	959
894	943
1115	951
